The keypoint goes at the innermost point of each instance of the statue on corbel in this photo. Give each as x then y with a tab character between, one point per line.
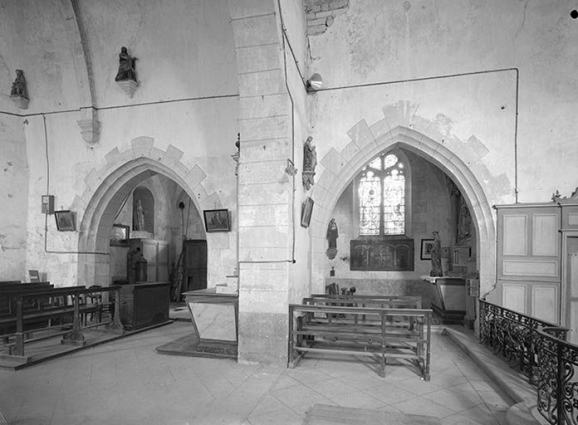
19	91
309	163
126	75
237	154
332	235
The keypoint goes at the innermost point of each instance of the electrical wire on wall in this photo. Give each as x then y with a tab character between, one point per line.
48	191
441	77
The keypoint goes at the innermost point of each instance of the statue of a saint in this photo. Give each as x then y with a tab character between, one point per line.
436	256
309	163
138	217
332	233
19	85
126	67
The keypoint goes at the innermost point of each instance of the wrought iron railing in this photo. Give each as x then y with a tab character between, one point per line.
539	350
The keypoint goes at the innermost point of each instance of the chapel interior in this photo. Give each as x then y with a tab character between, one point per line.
243	155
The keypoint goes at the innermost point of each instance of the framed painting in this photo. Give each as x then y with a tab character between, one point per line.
119	235
426	248
217	220
64	221
306	211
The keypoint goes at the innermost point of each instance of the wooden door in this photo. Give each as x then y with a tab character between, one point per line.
195	276
571	276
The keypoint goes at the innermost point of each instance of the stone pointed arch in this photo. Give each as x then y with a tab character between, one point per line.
110	185
340	168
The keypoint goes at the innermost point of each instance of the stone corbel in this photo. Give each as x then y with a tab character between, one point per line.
89	126
128	86
20	101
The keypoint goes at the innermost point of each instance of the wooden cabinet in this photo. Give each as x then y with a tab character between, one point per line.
144	304
195	265
157	255
529	259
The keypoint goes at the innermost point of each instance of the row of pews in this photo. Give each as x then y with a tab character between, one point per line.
33	312
380	326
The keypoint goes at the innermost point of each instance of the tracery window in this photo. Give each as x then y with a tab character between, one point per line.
382	193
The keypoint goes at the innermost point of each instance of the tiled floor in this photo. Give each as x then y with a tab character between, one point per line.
126	382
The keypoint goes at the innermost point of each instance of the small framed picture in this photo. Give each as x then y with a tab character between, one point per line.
306	211
64	221
426	248
217	220
119	235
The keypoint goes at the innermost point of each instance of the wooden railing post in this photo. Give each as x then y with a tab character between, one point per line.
116	324
19	348
75	336
291	336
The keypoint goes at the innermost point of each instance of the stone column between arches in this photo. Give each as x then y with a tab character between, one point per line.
264	191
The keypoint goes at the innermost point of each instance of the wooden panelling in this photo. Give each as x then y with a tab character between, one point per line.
530	268
514	297
573	219
545	235
545	303
514	236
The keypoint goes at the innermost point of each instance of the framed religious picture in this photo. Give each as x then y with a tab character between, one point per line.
426	248
217	220
64	221
119	235
306	210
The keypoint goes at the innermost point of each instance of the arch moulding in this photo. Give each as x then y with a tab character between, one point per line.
108	187
340	168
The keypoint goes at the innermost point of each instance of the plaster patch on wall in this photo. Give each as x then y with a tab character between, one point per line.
322	13
499	186
401	113
477	146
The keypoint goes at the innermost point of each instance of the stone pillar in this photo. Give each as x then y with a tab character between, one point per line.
264	190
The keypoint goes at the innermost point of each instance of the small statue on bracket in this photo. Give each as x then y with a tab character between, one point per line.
126	67
309	163
332	235
436	256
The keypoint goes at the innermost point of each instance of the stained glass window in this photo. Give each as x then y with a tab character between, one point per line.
381	190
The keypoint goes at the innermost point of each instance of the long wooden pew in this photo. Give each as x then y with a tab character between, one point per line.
72	306
376	331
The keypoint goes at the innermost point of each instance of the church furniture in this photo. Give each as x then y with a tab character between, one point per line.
449	298
144	304
195	265
156	253
376	332
47	309
214	317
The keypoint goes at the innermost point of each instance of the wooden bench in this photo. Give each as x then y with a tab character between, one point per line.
377	332
58	303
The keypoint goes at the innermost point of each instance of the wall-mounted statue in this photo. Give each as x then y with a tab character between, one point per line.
332	235
138	222
436	256
126	67
19	85
309	163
